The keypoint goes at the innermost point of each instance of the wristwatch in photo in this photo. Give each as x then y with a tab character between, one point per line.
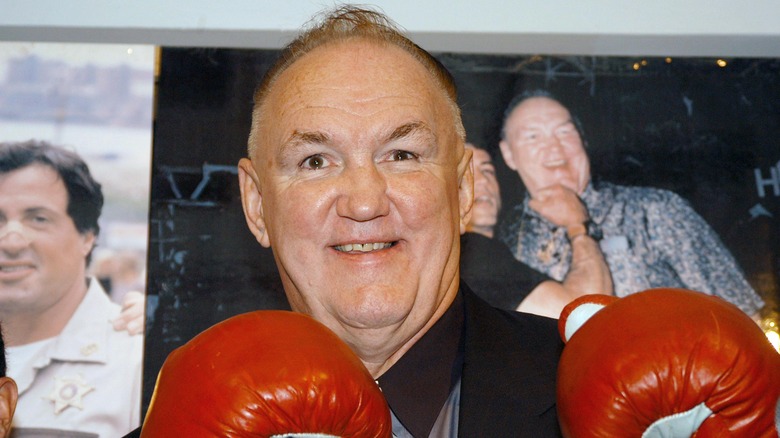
589	228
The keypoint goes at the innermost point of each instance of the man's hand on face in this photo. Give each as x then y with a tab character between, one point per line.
132	316
559	205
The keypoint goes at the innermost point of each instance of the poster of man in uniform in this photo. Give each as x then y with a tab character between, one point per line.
75	163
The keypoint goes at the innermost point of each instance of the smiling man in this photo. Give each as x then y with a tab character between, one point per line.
76	375
358	180
649	237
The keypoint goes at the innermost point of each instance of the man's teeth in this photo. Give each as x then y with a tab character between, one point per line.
555	163
363	247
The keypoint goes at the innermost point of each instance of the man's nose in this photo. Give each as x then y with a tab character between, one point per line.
363	193
13	236
479	179
553	142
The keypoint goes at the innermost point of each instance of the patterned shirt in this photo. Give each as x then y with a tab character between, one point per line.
651	238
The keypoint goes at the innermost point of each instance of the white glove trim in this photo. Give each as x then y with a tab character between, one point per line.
681	425
304	435
579	316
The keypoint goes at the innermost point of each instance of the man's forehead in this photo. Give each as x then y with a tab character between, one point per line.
34	186
34	172
538	107
481	157
357	78
355	66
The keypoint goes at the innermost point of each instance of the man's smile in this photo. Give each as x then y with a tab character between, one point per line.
363	247
15	270
486	199
554	163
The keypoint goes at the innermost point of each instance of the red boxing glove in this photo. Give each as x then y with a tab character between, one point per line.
262	374
663	363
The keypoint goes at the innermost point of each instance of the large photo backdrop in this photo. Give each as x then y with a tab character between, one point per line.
706	129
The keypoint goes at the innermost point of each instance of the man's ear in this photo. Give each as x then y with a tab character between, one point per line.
252	201
466	187
87	242
8	396
506	152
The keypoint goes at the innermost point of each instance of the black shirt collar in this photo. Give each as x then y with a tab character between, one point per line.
417	386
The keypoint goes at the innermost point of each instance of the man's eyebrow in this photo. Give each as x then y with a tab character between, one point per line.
300	138
36	210
315	137
409	129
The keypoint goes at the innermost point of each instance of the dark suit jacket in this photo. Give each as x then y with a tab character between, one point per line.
509	373
490	269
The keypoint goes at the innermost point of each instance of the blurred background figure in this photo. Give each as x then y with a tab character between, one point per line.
489	268
487	194
650	237
119	272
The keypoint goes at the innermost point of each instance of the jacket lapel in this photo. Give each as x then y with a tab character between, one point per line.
509	372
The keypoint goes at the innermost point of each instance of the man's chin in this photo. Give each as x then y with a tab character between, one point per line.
374	315
570	184
484	220
566	183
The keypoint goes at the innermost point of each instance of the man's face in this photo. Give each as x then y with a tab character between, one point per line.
361	186
543	146
42	255
487	195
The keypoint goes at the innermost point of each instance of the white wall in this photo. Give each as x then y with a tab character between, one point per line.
590	27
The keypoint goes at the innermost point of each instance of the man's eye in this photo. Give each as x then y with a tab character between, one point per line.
402	156
38	221
566	130
313	162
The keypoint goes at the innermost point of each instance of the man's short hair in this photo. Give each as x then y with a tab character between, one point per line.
530	94
85	197
474	145
342	24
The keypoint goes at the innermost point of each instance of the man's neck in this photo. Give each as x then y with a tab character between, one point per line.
378	355
37	324
483	230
